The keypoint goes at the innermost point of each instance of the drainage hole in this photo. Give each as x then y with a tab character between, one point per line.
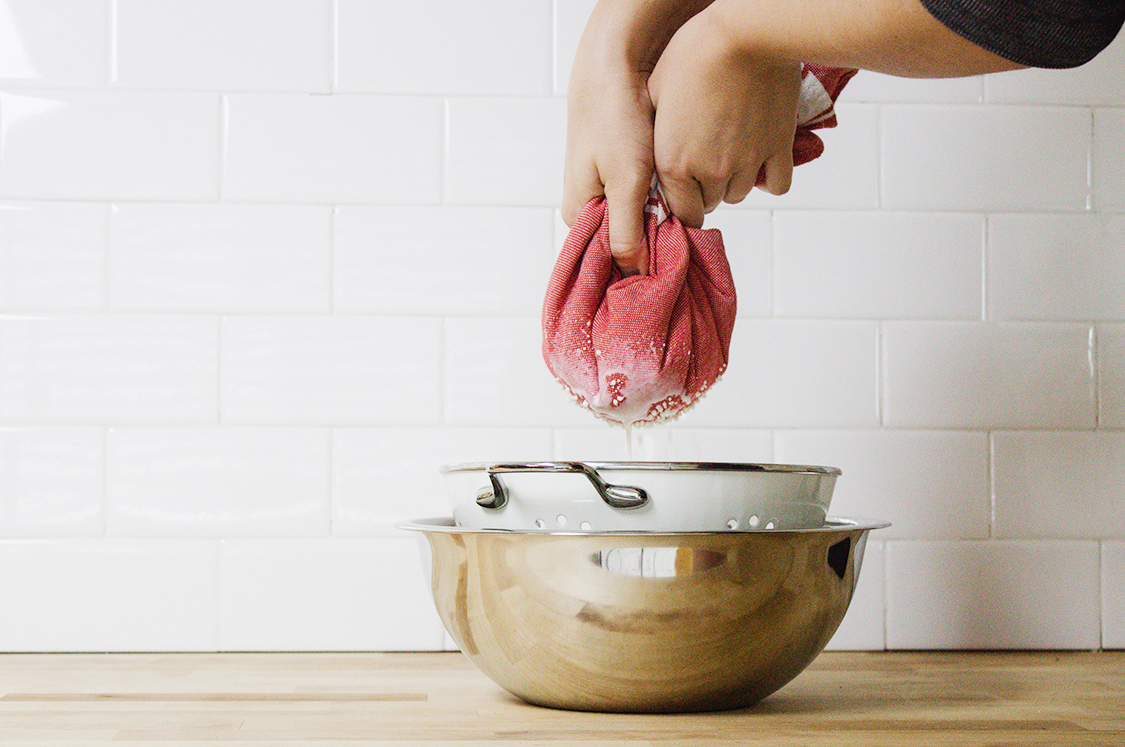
539	524
585	526
561	520
732	524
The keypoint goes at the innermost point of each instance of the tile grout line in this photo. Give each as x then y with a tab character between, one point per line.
879	148
1101	594
443	152
333	217
330	438
221	322
224	127
111	45
219	542
552	84
985	241
771	267
105	481
1091	182
880	374
334	46
886	595
111	210
1094	362
443	372
991	473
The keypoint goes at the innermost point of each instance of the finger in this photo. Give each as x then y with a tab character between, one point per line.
739	186
625	209
778	173
579	189
713	192
685	200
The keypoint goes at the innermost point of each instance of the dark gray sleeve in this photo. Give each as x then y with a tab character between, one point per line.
1037	33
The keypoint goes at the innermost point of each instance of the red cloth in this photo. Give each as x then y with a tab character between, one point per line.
643	349
820	87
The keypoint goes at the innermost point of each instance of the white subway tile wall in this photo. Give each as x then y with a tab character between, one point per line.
214	257
664	444
503	151
325	595
52	255
1056	267
382	475
988	376
263	271
1108	168
55	43
864	626
877	265
985	157
330	370
108	369
495	376
440	260
437	47
217	482
929	484
796	373
570	20
225	45
291	147
51	481
746	238
847	179
1113	607
1091	84
1056	484
110	594
993	594
1111	372
110	145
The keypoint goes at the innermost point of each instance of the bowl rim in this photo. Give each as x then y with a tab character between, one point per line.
655	466
446	525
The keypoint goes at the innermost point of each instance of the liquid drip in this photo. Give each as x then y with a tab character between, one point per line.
629	443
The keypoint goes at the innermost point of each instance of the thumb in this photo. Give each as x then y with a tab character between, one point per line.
627	241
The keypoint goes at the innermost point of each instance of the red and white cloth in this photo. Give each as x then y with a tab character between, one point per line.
643	349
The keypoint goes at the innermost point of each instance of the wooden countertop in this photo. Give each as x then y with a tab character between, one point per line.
442	700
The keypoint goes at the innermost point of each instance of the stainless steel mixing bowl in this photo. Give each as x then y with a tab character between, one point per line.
643	621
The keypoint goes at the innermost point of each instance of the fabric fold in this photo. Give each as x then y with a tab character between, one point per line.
643	349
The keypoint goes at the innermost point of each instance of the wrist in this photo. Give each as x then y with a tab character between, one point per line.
631	34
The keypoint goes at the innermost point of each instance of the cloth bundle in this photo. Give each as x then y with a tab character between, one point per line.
642	349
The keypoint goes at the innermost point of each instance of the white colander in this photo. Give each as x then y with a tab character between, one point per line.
639	496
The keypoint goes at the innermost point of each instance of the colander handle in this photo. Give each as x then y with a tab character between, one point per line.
622	497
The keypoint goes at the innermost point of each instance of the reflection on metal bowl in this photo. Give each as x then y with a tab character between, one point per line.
643	621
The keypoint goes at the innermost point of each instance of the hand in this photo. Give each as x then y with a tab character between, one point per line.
609	151
725	119
609	117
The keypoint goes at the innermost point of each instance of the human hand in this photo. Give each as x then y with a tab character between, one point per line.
725	119
609	117
609	152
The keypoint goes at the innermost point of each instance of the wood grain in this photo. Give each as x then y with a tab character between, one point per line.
415	700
